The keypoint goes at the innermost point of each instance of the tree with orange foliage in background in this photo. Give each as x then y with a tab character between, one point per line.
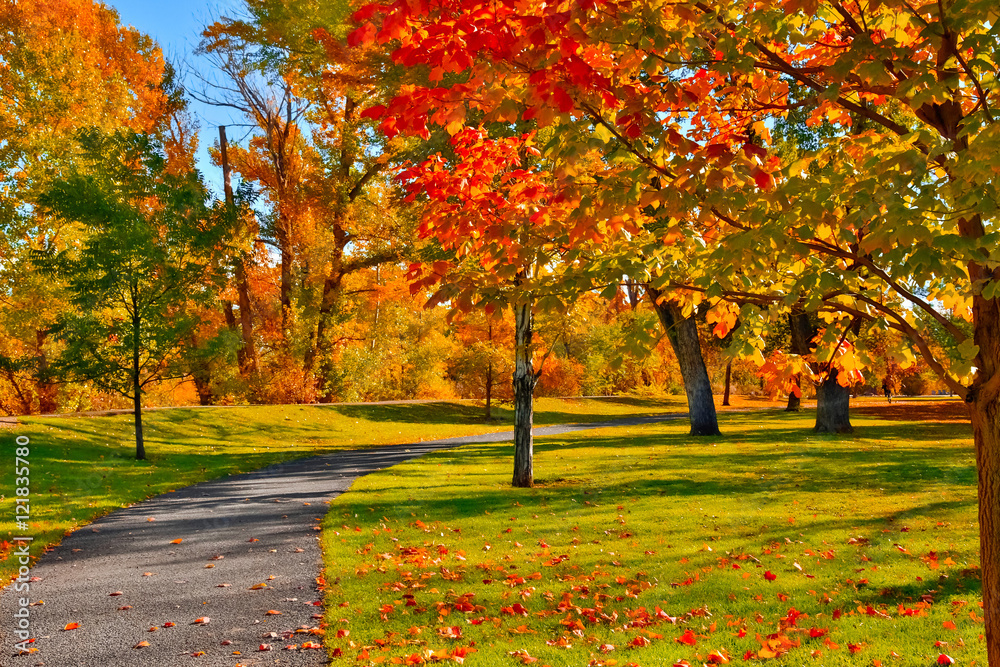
64	65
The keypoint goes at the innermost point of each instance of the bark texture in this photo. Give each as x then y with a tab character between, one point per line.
802	333
833	404
524	388
683	335
729	382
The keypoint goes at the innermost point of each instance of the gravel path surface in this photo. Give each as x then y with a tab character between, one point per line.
203	551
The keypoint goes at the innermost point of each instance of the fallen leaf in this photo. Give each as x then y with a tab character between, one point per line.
169	624
770	576
257	587
71	626
273	612
945	659
141	644
116	593
177	541
201	620
264	647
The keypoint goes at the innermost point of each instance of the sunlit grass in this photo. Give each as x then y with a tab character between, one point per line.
84	467
871	541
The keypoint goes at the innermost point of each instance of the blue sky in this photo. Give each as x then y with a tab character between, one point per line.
176	25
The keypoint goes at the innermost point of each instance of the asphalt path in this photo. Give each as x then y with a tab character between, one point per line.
203	552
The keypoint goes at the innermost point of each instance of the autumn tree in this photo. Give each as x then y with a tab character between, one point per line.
145	255
66	65
876	224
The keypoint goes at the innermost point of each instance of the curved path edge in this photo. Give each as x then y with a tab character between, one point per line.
204	551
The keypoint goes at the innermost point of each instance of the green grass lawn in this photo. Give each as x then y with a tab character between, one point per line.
642	546
84	467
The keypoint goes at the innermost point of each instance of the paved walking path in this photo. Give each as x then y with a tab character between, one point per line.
124	574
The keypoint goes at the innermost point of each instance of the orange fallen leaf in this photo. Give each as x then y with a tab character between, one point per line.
141	644
273	612
198	654
71	626
128	606
177	541
257	587
949	625
202	620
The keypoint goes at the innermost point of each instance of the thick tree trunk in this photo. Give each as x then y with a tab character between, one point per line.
795	400
319	347
729	382
802	333
833	404
986	428
524	387
683	335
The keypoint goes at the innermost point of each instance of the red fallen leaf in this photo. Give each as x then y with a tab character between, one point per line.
949	625
141	644
169	624
201	620
854	648
273	612
253	539
342	633
198	654
687	638
684	663
818	632
264	647
71	626
153	629
115	594
177	541
718	658
639	642
770	576
226	642
945	659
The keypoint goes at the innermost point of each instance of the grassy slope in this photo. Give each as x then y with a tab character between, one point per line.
84	467
872	538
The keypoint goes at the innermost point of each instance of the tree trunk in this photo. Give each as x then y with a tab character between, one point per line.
47	391
683	335
246	319
489	390
795	400
802	333
230	315
986	427
833	404
524	387
729	381
140	448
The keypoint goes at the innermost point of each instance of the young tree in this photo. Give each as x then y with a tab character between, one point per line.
145	255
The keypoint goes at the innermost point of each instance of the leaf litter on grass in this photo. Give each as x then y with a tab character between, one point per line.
765	545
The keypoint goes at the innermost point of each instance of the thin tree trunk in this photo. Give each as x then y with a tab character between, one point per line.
140	448
524	387
241	353
46	390
729	381
833	404
683	335
246	318
246	356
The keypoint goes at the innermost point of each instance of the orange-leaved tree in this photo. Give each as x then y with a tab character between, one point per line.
889	221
